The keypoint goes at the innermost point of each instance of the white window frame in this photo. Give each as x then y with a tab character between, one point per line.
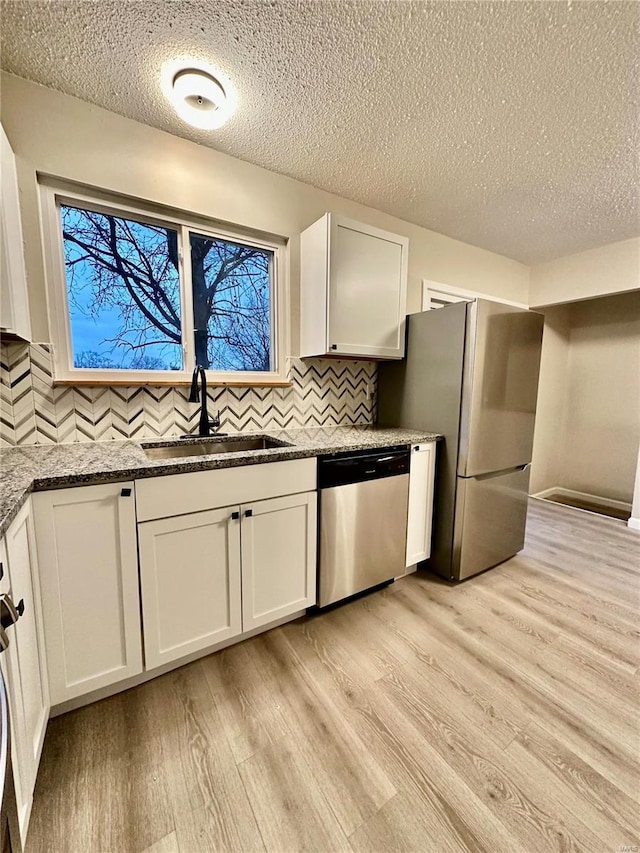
54	194
436	293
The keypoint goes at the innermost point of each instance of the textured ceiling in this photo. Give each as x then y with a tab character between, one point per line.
510	125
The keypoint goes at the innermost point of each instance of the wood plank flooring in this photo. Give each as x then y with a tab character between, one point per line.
497	715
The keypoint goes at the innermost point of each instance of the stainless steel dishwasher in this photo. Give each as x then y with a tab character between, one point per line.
363	520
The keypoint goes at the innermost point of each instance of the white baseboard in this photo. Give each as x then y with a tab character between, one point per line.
634	523
584	496
543	494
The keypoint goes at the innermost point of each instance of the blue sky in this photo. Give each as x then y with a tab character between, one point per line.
93	333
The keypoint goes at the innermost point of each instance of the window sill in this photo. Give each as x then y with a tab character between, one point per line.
211	383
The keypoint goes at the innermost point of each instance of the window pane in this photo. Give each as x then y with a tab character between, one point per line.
123	289
231	305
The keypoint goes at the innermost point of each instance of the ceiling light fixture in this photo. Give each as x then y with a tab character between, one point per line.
200	99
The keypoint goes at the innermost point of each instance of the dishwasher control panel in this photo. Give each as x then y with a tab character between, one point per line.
360	466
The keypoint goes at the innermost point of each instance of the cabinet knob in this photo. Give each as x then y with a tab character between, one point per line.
334	346
248	513
125	493
235	516
9	613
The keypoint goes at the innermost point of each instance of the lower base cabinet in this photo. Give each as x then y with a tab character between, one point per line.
420	513
120	596
278	558
23	662
209	576
89	580
190	581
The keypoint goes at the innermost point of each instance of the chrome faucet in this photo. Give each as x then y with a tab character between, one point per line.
205	425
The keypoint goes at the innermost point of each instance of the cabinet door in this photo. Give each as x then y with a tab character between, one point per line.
23	769
419	522
14	306
278	558
26	666
190	577
89	577
367	290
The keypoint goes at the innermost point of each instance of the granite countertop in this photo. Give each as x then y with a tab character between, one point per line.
35	468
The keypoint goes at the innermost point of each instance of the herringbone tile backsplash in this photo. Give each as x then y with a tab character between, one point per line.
34	411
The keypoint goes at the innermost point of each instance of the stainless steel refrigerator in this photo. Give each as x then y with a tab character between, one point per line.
471	373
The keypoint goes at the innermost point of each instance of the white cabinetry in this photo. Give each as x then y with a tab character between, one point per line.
14	306
218	553
353	281
419	522
89	578
24	661
278	558
190	578
217	572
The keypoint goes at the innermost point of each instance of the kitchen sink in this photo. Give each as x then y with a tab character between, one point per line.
205	448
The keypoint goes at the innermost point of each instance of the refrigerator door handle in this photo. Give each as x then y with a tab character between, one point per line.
488	475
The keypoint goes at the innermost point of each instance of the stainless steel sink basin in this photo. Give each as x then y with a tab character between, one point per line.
205	448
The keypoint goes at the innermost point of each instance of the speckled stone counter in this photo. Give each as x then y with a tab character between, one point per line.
27	469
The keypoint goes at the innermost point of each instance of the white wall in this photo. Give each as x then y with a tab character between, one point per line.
610	269
62	136
603	401
588	424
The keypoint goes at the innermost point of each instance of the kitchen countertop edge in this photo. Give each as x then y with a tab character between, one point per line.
35	468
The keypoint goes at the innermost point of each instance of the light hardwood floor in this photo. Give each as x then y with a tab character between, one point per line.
496	715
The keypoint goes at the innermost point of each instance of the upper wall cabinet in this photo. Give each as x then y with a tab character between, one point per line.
353	283
14	306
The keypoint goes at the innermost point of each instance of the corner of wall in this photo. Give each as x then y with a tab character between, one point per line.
603	271
546	466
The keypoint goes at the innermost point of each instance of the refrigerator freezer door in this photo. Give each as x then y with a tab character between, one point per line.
500	387
491	513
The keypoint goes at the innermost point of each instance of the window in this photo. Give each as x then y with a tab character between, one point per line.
231	285
140	297
123	292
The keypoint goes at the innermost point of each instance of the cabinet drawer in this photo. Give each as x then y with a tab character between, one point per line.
177	494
